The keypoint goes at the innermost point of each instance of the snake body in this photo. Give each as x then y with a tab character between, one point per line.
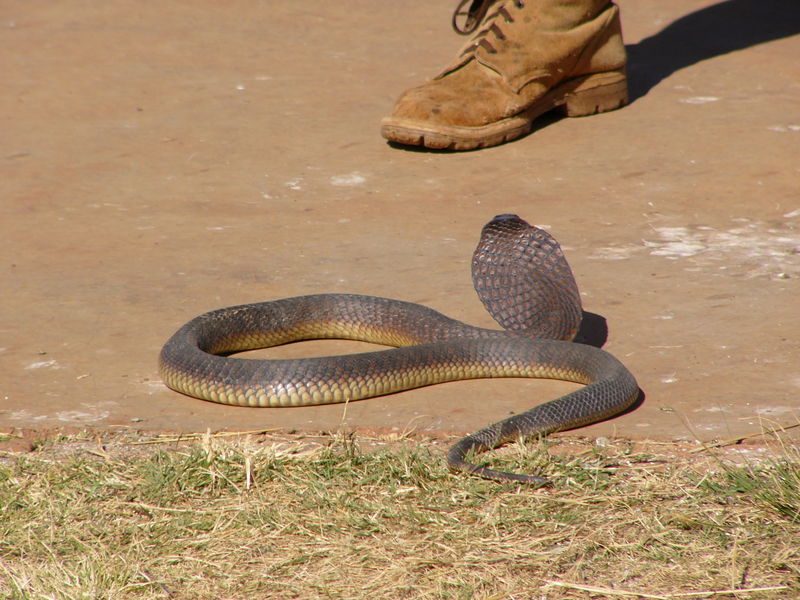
523	279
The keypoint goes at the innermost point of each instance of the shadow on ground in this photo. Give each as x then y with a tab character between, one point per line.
707	33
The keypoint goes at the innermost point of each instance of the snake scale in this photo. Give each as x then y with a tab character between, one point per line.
523	279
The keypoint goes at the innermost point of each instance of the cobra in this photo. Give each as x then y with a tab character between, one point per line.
523	279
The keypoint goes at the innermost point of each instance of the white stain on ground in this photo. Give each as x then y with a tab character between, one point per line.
154	386
699	99
349	180
294	184
26	415
775	411
614	252
43	364
77	416
91	415
706	427
753	246
675	242
784	128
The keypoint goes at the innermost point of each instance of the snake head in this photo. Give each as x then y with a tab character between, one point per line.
524	280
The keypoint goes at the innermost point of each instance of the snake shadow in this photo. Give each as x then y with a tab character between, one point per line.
594	332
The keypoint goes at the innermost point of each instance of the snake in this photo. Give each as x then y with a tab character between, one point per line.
523	279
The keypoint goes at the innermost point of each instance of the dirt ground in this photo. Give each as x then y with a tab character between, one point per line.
164	159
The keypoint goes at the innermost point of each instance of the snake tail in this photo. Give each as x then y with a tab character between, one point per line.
610	389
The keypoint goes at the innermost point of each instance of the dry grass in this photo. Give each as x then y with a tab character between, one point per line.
271	518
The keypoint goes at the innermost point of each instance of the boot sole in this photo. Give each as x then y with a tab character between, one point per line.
578	97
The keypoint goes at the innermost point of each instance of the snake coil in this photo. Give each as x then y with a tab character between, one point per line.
523	279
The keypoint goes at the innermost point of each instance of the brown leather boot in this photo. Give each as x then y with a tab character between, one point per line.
527	58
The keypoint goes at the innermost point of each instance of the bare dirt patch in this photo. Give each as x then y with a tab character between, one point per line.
159	161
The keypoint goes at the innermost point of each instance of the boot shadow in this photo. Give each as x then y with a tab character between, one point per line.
707	33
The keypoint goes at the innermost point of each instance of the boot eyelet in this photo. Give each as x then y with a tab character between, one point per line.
495	28
487	45
505	14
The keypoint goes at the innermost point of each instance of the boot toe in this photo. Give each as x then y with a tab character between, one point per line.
464	99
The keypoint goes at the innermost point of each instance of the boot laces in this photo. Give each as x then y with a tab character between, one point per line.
474	14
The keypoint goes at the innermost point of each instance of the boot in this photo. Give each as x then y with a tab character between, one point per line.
527	58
